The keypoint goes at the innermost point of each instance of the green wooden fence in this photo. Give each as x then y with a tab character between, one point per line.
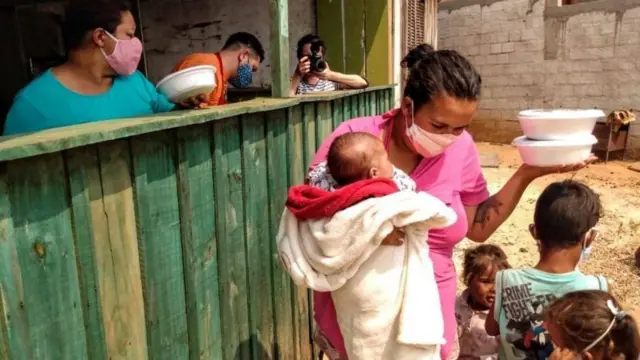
153	238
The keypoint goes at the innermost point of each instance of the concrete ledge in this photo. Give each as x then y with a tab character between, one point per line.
609	6
459	4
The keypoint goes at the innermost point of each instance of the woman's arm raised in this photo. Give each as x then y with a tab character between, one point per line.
485	218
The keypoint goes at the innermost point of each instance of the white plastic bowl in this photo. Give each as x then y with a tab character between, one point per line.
189	82
558	124
554	152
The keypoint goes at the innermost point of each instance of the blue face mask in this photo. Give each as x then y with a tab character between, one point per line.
244	77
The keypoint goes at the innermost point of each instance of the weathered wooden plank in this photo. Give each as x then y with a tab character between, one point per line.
277	173
324	121
199	249
14	324
279	11
232	267
373	103
346	109
297	172
363	105
84	184
330	29
160	245
381	102
388	100
41	216
117	254
309	136
48	141
354	32
378	43
258	241
337	115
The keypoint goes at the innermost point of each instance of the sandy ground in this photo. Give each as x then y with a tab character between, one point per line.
613	252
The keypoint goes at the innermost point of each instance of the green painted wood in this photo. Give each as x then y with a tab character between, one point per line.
84	184
232	265
297	171
380	103
258	241
355	108
346	108
160	245
373	104
337	115
324	121
4	333
41	217
309	133
388	100
279	11
330	29
378	42
277	175
199	248
15	342
49	141
363	105
353	32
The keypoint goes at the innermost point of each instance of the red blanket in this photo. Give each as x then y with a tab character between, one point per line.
307	202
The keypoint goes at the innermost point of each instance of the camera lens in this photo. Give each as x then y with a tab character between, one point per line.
321	65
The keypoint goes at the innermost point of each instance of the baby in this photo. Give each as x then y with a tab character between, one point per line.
357	156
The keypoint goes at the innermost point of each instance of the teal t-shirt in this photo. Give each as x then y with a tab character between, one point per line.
45	103
521	297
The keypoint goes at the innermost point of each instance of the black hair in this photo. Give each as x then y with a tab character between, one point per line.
347	164
583	316
310	39
479	258
565	212
245	39
83	16
434	72
416	54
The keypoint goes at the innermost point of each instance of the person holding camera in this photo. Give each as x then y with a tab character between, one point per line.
313	73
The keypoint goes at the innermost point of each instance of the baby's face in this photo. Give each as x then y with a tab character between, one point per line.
382	167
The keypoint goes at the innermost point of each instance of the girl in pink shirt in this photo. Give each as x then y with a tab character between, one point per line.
426	138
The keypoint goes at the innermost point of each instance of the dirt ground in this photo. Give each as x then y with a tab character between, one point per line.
613	252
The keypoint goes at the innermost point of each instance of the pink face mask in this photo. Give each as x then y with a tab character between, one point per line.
126	55
425	143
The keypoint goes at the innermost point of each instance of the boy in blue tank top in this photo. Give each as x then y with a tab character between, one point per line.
564	220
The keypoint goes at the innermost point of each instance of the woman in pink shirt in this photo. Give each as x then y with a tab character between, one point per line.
426	138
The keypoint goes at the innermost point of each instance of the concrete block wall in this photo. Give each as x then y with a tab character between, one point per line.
175	28
577	56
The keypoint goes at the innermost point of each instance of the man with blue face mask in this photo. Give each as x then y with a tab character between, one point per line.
235	64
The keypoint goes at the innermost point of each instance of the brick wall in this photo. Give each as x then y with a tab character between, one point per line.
577	56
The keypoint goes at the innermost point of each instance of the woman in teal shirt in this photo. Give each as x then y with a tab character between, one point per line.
99	81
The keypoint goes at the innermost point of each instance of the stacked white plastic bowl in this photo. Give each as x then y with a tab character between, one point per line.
556	137
189	82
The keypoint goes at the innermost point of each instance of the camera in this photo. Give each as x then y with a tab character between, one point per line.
317	61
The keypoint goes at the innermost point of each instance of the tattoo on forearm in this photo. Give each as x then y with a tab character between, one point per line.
483	213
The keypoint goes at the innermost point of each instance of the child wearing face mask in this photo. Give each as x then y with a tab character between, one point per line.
591	325
481	264
565	216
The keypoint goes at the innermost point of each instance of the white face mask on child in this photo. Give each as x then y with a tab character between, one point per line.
586	250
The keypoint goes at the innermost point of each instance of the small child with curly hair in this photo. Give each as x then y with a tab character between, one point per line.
591	325
481	264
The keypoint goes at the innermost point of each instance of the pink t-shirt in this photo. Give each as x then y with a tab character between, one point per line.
454	177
